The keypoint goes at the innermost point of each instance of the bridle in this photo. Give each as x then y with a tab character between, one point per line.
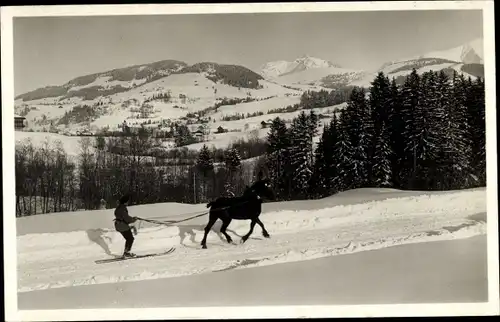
256	194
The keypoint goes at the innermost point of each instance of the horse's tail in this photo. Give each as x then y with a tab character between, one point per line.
209	204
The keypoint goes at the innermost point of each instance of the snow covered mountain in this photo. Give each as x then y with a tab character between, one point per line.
468	53
279	68
466	59
308	70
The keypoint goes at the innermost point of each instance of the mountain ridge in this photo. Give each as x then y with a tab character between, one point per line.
120	80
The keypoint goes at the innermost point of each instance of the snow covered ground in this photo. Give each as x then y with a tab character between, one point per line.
59	250
434	272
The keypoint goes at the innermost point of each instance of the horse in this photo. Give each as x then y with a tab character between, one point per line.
246	207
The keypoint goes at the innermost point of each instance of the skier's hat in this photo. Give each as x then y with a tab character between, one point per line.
124	199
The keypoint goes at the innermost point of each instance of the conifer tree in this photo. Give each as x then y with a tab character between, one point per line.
277	155
205	167
480	135
477	129
312	131
232	160
444	172
411	95
359	127
300	151
380	97
332	156
346	165
430	119
318	185
396	128
382	170
461	144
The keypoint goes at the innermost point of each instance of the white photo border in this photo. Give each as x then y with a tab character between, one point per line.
10	256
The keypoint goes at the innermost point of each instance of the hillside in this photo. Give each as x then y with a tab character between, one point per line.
91	86
172	91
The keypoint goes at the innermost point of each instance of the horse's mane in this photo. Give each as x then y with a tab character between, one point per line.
248	192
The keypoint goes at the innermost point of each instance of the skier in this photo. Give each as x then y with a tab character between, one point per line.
122	222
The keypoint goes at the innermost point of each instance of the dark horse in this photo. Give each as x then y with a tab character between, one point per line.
246	207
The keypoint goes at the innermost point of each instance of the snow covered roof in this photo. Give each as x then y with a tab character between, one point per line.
15	116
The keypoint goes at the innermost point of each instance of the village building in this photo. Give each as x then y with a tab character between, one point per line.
19	122
199	135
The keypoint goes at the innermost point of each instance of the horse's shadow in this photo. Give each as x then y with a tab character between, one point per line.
99	237
185	230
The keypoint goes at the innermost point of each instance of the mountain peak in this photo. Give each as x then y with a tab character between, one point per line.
471	52
304	62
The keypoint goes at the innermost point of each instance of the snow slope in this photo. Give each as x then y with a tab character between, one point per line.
70	144
336	225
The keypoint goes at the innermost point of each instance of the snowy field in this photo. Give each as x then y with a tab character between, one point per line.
59	250
70	144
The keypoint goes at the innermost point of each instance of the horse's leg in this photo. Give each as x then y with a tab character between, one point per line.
252	225
211	222
225	223
264	231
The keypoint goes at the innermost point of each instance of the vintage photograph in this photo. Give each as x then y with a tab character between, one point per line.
249	159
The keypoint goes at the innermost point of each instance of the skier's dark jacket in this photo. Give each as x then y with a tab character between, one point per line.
122	218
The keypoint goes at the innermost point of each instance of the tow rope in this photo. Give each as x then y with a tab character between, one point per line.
169	222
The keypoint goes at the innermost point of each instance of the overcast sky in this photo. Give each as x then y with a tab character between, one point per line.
53	50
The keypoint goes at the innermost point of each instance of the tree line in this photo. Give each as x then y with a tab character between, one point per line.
50	180
317	99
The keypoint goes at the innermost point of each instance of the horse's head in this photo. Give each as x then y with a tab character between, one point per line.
262	188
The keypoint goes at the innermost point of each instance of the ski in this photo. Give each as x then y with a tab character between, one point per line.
119	259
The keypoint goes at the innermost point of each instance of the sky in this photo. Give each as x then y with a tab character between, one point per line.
54	50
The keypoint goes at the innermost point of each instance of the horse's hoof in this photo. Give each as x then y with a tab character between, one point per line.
266	235
229	241
243	240
204	246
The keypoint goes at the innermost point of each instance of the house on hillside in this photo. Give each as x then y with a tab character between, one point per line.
19	122
199	135
266	124
135	129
